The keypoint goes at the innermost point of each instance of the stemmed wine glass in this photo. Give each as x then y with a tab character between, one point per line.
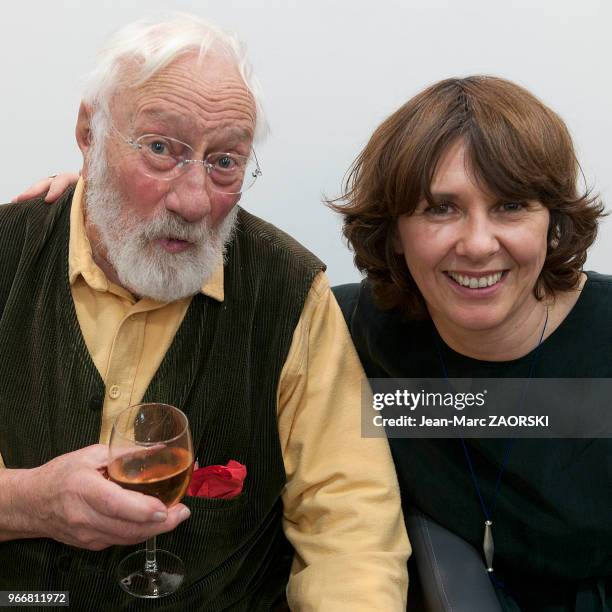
151	452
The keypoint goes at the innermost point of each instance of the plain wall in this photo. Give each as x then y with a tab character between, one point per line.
331	72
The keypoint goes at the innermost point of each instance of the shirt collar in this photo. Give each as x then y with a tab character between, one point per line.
81	261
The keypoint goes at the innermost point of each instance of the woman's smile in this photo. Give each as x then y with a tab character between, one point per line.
475	280
476	285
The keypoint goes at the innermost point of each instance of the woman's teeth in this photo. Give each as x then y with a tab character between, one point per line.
476	282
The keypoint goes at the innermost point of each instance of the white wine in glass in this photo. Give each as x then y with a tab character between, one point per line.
151	452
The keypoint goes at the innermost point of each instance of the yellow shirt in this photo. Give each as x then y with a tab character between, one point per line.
341	502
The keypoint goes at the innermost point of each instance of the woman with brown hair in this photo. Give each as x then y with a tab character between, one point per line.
465	215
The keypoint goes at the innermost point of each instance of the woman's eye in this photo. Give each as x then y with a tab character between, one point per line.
442	208
512	206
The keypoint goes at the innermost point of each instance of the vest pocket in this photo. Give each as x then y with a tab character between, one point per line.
196	504
215	530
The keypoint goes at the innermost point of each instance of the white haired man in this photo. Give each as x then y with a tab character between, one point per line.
147	281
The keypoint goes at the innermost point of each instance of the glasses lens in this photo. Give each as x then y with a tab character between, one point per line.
231	173
162	156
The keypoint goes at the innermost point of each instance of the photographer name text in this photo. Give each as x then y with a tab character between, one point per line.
461	420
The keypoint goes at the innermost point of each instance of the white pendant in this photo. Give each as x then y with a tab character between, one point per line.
487	545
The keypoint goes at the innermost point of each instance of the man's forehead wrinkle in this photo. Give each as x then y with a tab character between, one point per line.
164	105
204	91
226	82
207	75
229	127
196	99
212	100
187	115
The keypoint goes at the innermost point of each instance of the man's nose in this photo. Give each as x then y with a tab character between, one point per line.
478	238
189	196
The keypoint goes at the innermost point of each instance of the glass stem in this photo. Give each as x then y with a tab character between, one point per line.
151	562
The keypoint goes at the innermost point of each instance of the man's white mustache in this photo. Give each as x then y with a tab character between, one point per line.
168	225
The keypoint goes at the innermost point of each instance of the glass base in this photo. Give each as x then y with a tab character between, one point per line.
164	579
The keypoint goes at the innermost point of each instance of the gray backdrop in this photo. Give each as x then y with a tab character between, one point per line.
331	71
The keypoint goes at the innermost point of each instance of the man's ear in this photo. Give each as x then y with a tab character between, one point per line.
83	128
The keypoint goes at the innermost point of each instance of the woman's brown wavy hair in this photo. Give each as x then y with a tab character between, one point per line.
517	147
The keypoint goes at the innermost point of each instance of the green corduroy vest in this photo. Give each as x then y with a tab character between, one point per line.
222	370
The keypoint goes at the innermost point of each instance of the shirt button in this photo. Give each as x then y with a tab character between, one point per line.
114	392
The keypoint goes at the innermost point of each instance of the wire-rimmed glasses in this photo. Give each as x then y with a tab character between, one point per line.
165	158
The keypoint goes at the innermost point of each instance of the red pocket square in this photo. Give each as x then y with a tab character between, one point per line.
220	481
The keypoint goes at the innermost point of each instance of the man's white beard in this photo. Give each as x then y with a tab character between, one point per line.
143	266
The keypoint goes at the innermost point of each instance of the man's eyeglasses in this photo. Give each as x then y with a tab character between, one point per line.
166	158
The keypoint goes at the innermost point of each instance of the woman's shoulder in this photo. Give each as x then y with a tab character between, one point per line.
358	304
347	296
385	339
596	297
599	282
582	344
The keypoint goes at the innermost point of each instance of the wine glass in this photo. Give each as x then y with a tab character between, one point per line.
151	452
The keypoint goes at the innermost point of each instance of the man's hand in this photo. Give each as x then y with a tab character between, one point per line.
70	500
53	185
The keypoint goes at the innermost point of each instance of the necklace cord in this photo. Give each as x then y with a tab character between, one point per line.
509	443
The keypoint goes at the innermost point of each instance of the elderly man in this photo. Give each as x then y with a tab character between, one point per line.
147	281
